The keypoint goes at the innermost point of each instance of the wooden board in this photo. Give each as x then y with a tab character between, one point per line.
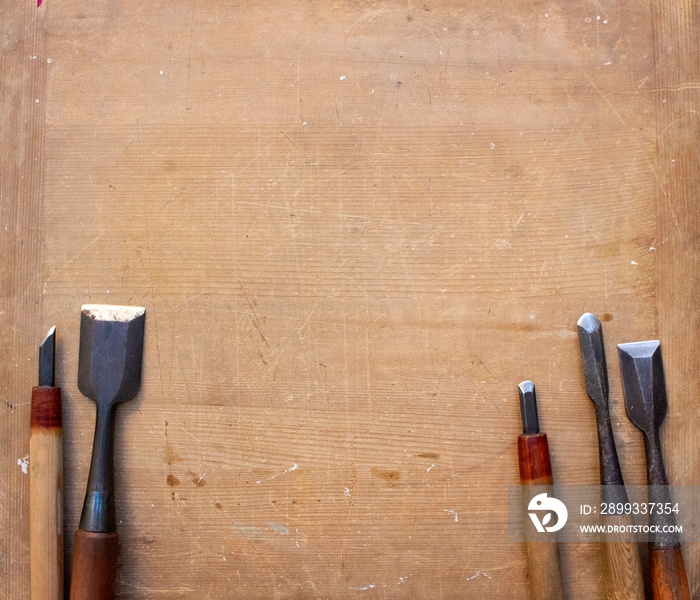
355	229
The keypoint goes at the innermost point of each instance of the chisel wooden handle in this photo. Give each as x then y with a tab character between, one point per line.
544	564
669	579
46	494
623	566
94	565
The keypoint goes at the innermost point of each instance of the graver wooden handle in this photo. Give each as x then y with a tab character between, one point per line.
623	566
669	579
46	494
544	564
94	566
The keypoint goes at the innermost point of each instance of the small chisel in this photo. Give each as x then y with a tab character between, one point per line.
644	388
45	479
544	564
624	580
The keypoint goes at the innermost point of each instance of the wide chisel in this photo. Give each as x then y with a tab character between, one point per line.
644	387
623	567
46	479
109	372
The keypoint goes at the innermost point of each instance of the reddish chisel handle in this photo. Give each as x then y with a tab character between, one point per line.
94	565
46	494
669	579
544	564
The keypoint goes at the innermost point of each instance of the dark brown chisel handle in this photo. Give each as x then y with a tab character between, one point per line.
669	579
544	564
94	566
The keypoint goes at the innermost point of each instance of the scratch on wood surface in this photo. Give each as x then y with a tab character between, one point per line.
256	322
691	85
294	467
83	249
597	89
667	200
369	17
331	214
257	552
309	317
337	254
297	146
169	591
683	116
372	586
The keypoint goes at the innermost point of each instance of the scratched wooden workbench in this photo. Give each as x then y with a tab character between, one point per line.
355	227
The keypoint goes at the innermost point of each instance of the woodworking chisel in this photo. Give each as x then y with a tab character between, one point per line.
623	567
46	479
109	372
544	565
644	388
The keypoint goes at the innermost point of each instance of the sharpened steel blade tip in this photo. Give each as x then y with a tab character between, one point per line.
643	384
47	359
51	333
528	407
109	312
639	349
589	322
110	355
595	370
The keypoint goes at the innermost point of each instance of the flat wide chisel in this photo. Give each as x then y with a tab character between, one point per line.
46	479
623	567
109	372
544	564
644	389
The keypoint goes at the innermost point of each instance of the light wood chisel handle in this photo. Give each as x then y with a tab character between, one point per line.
46	494
623	566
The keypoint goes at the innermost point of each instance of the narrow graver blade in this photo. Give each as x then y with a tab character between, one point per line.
111	346
47	359
643	384
595	371
528	408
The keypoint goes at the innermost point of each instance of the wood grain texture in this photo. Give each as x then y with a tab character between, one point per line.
624	578
534	462
46	494
669	579
544	575
46	409
94	565
22	100
355	227
676	94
